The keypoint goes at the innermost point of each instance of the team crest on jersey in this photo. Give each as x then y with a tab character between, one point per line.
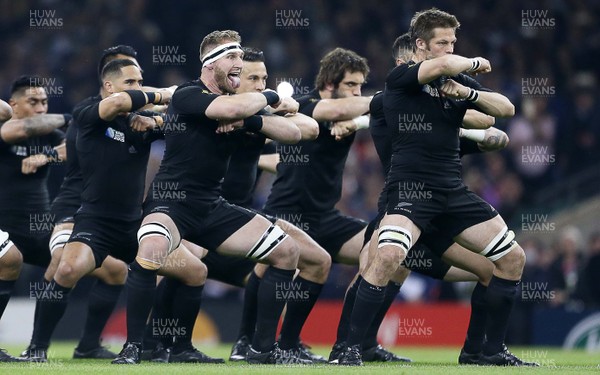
115	134
431	91
19	150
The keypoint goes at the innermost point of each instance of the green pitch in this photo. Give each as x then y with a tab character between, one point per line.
431	361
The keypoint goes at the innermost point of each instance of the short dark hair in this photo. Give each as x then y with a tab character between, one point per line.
335	64
25	82
253	54
110	54
216	38
402	47
115	67
423	23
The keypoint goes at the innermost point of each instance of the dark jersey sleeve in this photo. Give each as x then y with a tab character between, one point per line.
404	76
193	101
468	146
89	117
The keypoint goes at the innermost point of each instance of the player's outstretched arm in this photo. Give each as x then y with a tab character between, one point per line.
341	109
130	100
476	120
491	139
5	111
450	66
280	129
17	130
241	106
309	128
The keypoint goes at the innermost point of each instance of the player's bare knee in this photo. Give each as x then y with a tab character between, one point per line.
400	275
66	274
275	247
513	263
194	273
286	255
155	241
10	264
389	258
116	273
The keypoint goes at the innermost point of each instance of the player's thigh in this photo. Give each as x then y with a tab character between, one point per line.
350	251
112	271
196	250
477	237
77	261
184	266
460	257
258	239
311	253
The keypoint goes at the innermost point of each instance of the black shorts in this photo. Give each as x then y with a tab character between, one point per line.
425	256
460	208
107	236
64	212
30	232
331	230
229	270
207	226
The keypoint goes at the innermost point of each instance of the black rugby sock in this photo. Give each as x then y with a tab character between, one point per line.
368	302
161	309
499	298
102	300
391	291
270	304
186	305
344	324
299	305
6	287
248	323
476	329
141	287
53	303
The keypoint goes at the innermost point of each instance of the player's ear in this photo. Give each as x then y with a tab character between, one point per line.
329	87
421	44
108	86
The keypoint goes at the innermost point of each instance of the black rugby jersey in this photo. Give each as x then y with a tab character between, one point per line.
382	141
242	173
309	173
196	158
113	160
70	189
25	192
424	126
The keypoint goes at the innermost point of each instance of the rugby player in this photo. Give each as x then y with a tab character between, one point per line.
421	91
195	162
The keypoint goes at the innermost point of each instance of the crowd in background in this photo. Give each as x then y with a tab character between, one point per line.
544	56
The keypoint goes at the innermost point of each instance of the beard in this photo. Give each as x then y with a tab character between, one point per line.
223	82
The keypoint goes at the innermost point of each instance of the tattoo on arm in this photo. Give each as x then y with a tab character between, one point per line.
41	125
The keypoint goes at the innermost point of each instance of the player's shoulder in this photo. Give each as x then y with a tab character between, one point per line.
312	97
377	102
195	86
90	100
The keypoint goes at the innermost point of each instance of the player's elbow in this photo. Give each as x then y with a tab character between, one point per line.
309	130
506	109
294	135
5	111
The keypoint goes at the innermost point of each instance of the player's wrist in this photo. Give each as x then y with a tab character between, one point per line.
475	64
361	122
473	95
271	96
253	123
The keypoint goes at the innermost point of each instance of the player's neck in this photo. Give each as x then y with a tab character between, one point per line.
210	83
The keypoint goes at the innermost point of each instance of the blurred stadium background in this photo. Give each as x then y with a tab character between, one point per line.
546	184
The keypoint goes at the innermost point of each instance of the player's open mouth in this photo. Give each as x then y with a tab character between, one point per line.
234	79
